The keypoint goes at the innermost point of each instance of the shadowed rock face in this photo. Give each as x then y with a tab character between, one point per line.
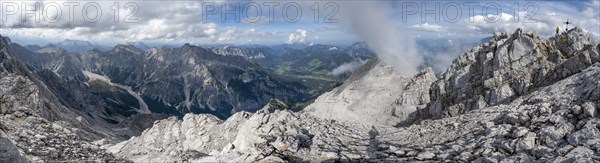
8	151
516	98
34	126
174	81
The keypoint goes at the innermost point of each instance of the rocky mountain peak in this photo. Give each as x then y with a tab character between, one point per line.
196	50
52	49
573	41
76	42
426	73
127	48
8	62
510	66
8	41
274	104
140	45
187	46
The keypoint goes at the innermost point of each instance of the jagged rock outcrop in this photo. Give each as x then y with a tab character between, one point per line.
190	138
251	53
509	66
536	127
273	133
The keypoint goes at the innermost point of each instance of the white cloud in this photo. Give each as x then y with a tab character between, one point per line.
181	21
297	37
346	67
542	21
233	33
328	28
152	21
543	24
370	20
429	27
491	23
591	18
230	34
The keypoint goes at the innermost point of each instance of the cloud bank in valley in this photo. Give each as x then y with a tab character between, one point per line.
371	22
347	67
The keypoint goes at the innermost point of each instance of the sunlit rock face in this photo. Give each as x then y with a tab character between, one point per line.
510	66
375	95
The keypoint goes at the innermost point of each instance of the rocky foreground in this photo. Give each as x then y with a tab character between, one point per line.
517	98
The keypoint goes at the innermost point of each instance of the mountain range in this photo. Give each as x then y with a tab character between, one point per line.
131	80
514	98
517	97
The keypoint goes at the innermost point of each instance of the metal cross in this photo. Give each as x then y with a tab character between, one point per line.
567	24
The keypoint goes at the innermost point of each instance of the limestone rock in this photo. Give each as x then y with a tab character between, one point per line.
375	95
511	66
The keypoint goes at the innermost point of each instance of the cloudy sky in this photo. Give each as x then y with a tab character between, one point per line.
285	22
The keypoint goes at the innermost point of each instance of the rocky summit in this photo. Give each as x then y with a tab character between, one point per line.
516	98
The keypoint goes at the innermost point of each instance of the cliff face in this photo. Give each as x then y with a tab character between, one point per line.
510	66
34	125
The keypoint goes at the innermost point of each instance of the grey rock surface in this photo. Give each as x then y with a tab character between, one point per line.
510	66
34	126
375	95
8	151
